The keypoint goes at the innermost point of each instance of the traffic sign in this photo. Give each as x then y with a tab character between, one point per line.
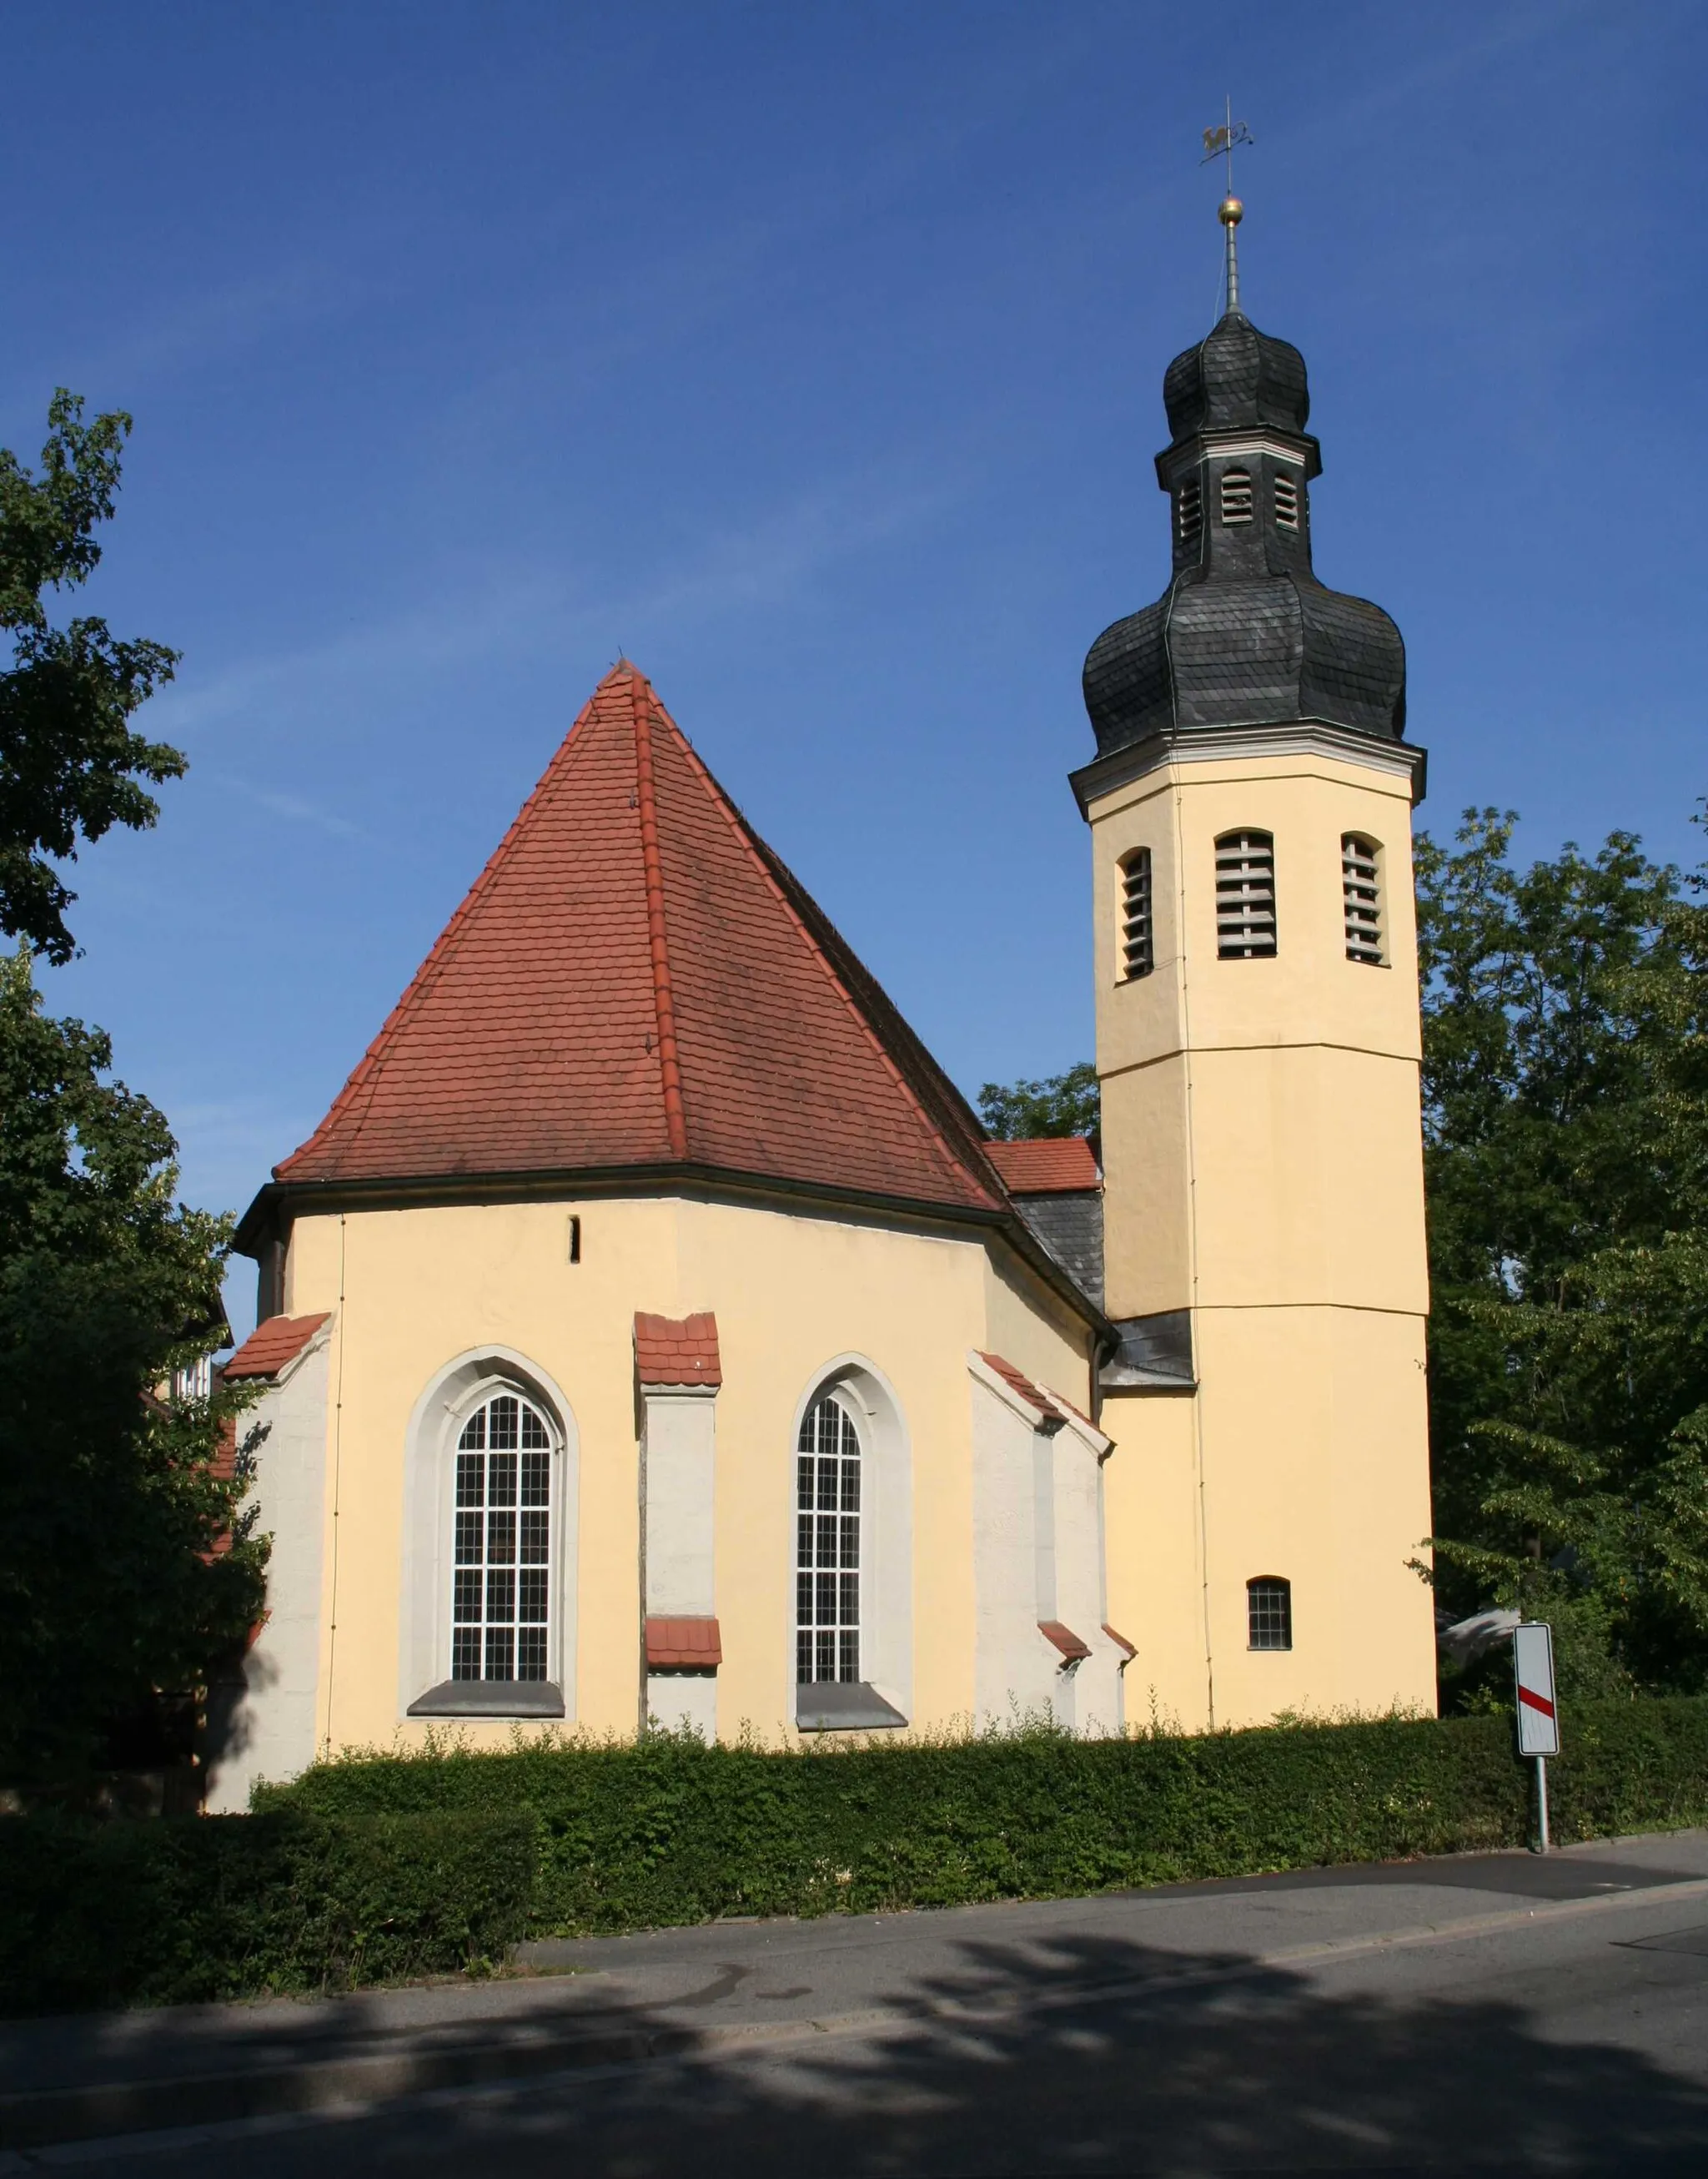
1533	1666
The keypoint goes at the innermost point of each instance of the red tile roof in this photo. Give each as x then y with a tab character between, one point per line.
693	1642
1064	1639
677	1351
635	979
1017	1380
1120	1641
1052	1165
271	1345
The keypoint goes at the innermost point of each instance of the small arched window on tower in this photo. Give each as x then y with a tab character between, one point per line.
1286	501
1138	956
1236	496
1360	888
1245	895
1189	514
1269	1612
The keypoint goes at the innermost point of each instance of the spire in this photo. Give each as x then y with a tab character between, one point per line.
1230	212
1245	633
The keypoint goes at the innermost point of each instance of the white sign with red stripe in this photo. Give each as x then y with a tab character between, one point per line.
1533	1665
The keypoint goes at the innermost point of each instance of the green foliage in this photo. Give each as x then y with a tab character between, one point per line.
1062	1104
1566	1110
69	763
670	1832
112	1581
195	1909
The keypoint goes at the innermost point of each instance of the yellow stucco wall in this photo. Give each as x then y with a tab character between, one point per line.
415	1288
1263	1157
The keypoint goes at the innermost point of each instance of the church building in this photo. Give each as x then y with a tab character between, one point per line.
649	1330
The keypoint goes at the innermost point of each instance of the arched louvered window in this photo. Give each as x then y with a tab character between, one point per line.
1286	499
1236	496
501	1603
1245	895
1269	1612
1189	514
828	1533
1137	953
1360	889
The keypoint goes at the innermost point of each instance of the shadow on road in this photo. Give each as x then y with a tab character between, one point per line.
1053	2061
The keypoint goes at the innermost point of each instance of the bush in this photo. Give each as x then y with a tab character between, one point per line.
671	1831
380	1868
195	1908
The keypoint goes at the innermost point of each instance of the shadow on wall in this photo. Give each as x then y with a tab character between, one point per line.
1065	2055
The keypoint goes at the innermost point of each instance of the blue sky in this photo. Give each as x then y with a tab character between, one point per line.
812	355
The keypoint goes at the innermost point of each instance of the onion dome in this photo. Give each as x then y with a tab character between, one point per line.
1245	634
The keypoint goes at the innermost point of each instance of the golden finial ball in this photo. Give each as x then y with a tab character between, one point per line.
1230	212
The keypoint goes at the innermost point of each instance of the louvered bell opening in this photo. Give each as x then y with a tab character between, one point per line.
1286	502
1137	954
1245	895
1189	514
1236	496
1360	890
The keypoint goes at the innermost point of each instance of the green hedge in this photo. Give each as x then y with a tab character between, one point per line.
182	1909
384	1868
672	1832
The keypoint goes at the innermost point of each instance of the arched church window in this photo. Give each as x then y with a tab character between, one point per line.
1137	953
1245	895
1269	1612
1286	499
1236	496
1189	514
1360	888
501	1601
828	1558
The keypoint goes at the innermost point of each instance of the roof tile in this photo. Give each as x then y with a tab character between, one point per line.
677	1350
274	1342
1059	1165
635	979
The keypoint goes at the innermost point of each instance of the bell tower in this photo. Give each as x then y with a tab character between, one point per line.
1258	1047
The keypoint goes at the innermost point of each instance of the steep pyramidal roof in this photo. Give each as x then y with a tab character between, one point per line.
635	980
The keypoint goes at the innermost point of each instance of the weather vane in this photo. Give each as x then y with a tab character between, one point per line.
1218	144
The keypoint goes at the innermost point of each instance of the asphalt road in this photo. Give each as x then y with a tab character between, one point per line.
1499	2012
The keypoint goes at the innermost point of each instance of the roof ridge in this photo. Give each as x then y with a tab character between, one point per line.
738	826
369	1068
641	703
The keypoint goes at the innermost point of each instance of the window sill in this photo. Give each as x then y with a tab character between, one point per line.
490	1698
843	1706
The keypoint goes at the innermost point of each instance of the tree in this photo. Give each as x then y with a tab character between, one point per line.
1566	1157
70	765
125	1563
1061	1105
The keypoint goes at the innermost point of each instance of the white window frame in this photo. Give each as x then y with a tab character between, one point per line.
429	1490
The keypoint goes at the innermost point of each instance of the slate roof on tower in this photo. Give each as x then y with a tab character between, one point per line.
636	980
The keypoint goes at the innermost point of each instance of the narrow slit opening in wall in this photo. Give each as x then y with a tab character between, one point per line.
575	1239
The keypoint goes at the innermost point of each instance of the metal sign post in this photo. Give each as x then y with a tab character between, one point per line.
1539	1717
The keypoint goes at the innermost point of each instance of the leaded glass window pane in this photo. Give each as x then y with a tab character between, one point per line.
501	1582
827	1586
